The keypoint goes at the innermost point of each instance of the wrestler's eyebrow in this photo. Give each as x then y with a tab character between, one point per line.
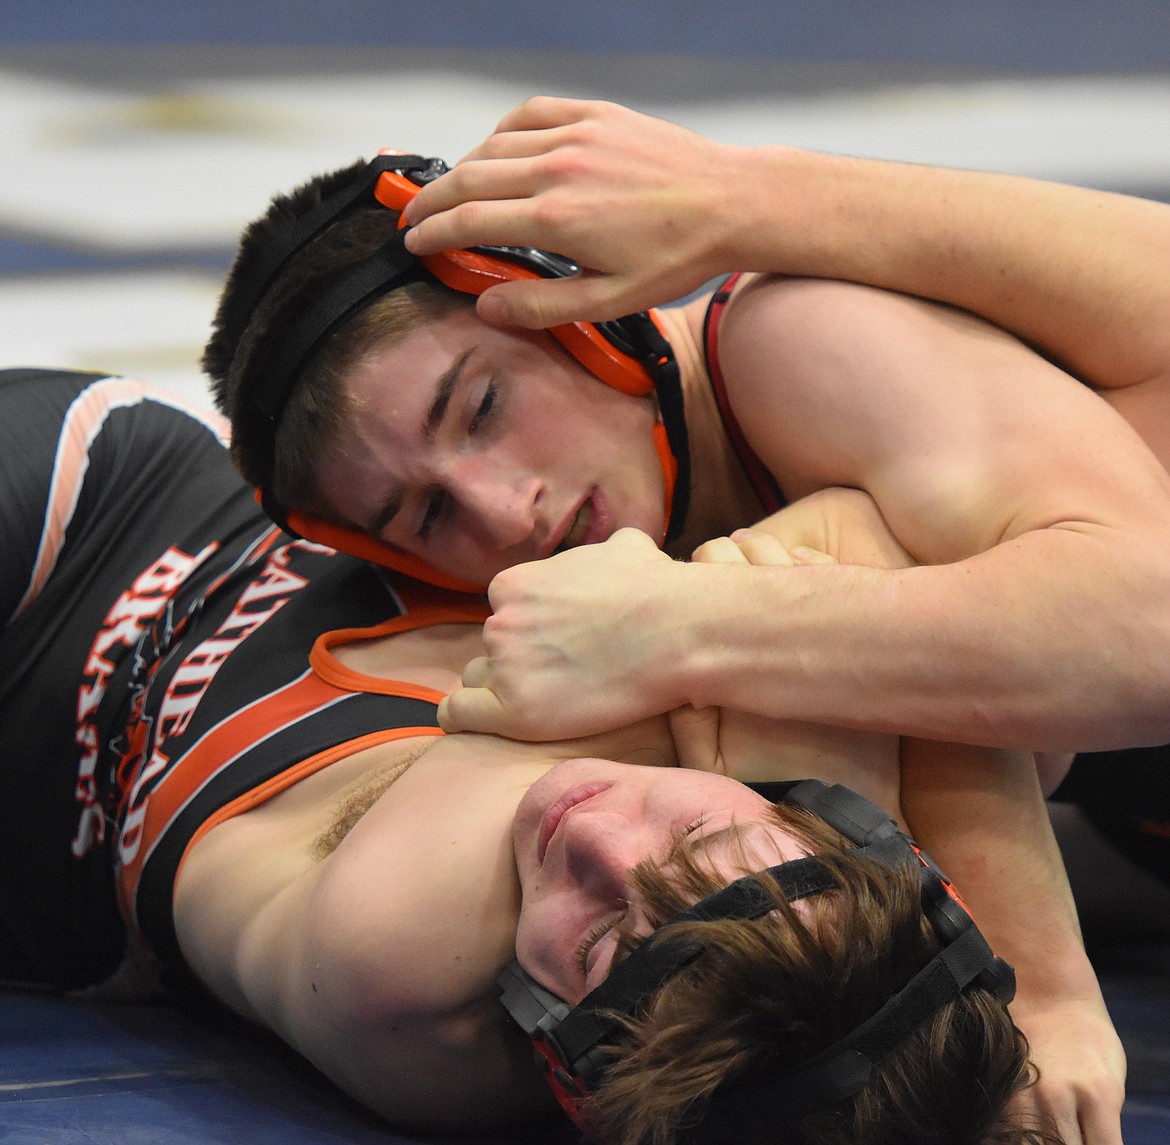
435	415
446	388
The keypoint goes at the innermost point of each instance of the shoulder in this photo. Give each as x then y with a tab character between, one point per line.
376	961
811	321
818	375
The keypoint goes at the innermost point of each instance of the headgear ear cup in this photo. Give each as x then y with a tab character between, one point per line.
474	271
631	354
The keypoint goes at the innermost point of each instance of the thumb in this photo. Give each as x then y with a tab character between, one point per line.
471	710
696	736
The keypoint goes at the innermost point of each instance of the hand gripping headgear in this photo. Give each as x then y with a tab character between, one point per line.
630	354
571	1041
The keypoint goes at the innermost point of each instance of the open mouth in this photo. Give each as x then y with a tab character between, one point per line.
579	527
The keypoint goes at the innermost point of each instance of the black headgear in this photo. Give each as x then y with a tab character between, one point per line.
571	1041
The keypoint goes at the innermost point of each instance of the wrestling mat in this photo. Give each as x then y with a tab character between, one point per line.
85	1074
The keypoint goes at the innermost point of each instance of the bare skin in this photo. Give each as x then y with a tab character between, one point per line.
988	507
652	211
388	950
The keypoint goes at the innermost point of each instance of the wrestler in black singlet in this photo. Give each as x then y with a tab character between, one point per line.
156	661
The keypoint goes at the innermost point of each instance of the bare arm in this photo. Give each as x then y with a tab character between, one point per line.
1039	617
1039	518
653	211
365	960
979	811
980	814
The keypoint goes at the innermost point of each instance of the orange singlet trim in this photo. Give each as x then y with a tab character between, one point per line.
302	770
333	671
83	421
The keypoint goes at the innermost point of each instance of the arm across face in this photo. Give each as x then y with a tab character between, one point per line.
579	676
1031	502
1078	274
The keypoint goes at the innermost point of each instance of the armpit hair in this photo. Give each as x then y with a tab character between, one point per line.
359	797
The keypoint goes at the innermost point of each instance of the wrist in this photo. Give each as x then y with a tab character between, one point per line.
1065	979
686	613
801	212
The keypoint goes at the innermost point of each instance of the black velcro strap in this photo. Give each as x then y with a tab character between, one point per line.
745	1107
642	974
752	1110
639	977
627	988
307	227
857	818
323	311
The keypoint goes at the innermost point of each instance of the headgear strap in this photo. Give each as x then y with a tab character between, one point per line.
572	1042
628	353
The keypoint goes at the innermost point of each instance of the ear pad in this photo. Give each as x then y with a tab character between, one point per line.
599	350
631	354
359	544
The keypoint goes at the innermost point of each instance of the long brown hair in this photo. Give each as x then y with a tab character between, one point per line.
771	993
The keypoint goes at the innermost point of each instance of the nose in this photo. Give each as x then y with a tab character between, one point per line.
601	851
500	503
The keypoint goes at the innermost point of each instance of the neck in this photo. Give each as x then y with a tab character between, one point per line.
722	499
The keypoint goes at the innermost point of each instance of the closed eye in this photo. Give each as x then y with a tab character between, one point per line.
628	940
486	407
436	505
586	945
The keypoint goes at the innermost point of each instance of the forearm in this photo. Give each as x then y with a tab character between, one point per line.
653	211
980	814
1080	274
1054	640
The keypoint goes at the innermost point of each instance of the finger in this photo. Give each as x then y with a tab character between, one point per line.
514	143
540	305
695	732
719	551
1036	1109
543	111
471	710
476	672
458	215
761	548
1058	1105
803	555
1100	1124
634	541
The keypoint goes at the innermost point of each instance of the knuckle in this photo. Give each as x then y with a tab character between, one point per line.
550	211
467	218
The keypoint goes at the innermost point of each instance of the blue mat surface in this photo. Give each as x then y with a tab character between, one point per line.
76	1073
85	1074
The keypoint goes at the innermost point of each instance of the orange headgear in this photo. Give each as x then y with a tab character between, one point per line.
630	354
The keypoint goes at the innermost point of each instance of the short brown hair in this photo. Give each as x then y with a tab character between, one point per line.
771	993
242	345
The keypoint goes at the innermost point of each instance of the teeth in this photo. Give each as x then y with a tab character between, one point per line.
579	529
